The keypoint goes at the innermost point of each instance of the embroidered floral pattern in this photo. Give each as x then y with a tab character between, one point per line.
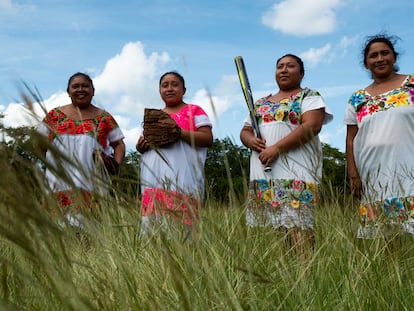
395	209
366	104
294	193
287	110
98	127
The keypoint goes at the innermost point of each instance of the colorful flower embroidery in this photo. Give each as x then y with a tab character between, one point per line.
268	118
290	192
366	105
98	127
389	209
287	110
399	99
280	115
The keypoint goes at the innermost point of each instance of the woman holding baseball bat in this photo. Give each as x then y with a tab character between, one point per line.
172	164
289	122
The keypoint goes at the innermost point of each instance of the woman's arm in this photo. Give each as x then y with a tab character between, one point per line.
250	140
119	151
142	144
355	180
203	137
310	126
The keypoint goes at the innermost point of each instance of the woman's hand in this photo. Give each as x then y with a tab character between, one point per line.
269	155
257	144
356	187
249	139
142	144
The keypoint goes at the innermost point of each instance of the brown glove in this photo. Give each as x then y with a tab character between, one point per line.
159	128
109	162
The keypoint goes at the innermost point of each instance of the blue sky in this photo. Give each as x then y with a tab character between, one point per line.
126	45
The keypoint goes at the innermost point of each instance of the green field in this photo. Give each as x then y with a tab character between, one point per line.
228	267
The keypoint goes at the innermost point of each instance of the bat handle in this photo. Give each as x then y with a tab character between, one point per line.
268	169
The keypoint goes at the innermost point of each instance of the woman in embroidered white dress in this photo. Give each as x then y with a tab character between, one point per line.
172	177
380	143
80	135
289	122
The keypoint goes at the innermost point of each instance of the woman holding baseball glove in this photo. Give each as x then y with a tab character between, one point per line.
81	137
174	149
289	121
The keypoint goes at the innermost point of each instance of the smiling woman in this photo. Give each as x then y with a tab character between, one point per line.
380	142
289	121
172	176
80	136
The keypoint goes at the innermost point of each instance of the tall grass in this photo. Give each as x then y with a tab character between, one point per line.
229	266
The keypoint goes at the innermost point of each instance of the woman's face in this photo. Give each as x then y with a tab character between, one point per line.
288	73
80	91
171	90
380	60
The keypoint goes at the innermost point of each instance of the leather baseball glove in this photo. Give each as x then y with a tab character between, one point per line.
111	166
159	128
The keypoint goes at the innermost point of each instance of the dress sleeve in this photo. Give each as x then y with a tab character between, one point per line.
115	133
200	117
44	127
350	117
247	121
315	101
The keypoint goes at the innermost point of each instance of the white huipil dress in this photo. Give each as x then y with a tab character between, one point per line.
172	177
384	155
286	196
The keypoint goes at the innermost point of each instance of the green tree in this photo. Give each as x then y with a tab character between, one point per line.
226	170
334	170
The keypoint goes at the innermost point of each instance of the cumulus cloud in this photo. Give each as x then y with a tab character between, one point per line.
302	17
18	114
345	42
314	56
214	106
128	81
11	7
328	52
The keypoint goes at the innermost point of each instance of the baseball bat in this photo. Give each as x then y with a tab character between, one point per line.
247	92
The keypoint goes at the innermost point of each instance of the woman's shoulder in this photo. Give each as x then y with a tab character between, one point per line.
195	109
56	111
410	79
306	91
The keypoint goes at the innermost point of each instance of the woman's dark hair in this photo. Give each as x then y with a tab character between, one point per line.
390	41
175	73
297	58
77	75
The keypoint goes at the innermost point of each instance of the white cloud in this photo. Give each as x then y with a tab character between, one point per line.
18	114
345	42
128	82
10	7
314	56
214	106
131	137
302	17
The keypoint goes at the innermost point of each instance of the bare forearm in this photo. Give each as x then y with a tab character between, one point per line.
119	152
246	135
352	131
203	137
